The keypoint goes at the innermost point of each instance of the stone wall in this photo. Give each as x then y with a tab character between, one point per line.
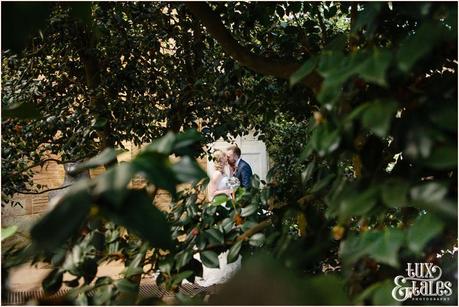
52	175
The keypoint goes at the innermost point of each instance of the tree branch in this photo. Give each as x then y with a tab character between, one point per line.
44	191
323	29
353	36
255	229
42	162
263	65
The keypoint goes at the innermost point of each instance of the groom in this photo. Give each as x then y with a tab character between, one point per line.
239	168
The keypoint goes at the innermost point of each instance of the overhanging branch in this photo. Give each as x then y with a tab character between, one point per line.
263	65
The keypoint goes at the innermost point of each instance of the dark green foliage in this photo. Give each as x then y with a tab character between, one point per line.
364	165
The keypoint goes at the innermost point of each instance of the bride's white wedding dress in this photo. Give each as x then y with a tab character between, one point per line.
211	276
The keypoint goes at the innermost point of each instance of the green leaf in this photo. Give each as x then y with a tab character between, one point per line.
195	266
8	231
307	173
322	183
249	210
257	240
442	158
357	112
220	199
112	184
395	192
382	246
378	116
338	43
209	259
125	285
255	181
356	203
325	139
367	16
53	282
67	216
25	110
165	265
183	258
105	295
429	192
304	70
187	170
227	224
414	47
445	117
373	69
139	215
332	63
106	156
247	225
337	68
162	145
380	294
316	290
157	169
234	252
215	236
177	279
131	271
183	142
136	265
425	228
329	93
99	123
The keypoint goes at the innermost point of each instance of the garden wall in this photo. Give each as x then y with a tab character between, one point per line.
28	208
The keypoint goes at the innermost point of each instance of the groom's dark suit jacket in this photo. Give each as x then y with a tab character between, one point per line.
244	173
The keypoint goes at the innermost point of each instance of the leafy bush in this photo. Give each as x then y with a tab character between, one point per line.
374	103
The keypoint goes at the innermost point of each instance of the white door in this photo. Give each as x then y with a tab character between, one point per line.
253	152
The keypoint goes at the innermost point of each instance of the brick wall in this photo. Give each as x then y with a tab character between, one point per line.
33	206
52	175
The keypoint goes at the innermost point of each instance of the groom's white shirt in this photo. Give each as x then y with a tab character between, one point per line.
237	162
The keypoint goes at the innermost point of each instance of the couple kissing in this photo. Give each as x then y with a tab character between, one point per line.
228	164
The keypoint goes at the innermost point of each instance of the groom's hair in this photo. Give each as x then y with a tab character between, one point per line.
235	149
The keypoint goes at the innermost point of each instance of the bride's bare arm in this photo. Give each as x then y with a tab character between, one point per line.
212	188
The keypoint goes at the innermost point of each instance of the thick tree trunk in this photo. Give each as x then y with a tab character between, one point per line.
98	103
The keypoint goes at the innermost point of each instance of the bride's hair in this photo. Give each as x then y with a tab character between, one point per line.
218	157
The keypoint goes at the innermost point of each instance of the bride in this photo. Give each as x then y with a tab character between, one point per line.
219	182
219	185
